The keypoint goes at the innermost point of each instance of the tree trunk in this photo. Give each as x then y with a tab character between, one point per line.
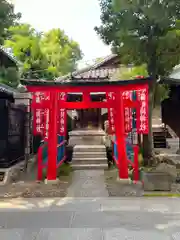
148	139
140	141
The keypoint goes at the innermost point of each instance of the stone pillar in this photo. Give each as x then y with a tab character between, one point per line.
25	99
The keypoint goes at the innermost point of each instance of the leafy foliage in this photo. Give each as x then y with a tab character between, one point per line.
9	76
24	41
7	18
143	32
45	55
161	90
134	72
60	51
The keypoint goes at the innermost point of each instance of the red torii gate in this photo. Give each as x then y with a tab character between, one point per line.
117	103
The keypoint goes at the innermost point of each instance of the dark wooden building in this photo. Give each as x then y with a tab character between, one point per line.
171	106
7	59
12	130
12	118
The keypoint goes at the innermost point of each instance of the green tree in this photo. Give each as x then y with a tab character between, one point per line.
43	55
143	32
7	18
161	90
61	52
9	76
24	42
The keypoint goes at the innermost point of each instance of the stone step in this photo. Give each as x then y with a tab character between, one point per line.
89	166
76	161
89	148
89	155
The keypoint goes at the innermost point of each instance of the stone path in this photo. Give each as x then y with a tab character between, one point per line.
88	183
90	219
87	213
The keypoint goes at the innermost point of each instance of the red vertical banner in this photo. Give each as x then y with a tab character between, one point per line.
142	119
46	113
127	95
62	118
46	122
37	116
111	114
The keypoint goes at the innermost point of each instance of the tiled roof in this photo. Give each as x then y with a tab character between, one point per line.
9	55
92	72
173	78
102	73
175	74
104	60
7	89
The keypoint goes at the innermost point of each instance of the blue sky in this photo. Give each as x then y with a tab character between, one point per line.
76	17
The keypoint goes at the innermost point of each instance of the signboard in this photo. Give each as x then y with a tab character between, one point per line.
62	121
127	95
110	96
46	122
37	117
40	115
143	120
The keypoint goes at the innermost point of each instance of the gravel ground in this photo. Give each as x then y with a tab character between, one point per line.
36	189
117	189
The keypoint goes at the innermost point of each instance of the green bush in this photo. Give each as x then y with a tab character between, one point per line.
64	170
140	159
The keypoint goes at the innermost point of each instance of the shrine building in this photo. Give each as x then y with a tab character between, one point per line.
103	71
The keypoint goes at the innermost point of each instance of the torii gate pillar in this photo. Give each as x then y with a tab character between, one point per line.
120	136
52	138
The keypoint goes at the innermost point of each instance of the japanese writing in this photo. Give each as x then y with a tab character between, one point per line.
37	114
62	96
110	96
62	115
127	112
142	95
46	123
142	119
39	119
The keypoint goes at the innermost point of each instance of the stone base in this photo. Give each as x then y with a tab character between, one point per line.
157	181
178	151
56	181
126	188
124	181
175	188
86	137
12	174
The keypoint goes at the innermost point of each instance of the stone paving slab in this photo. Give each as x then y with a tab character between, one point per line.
19	234
33	219
85	234
88	183
119	233
71	234
100	218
